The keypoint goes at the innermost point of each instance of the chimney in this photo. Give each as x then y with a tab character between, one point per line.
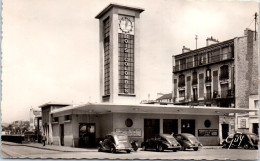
185	49
211	40
247	30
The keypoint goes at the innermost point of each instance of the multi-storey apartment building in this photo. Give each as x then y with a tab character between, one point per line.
222	74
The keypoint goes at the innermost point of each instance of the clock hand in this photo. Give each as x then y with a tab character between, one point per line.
126	24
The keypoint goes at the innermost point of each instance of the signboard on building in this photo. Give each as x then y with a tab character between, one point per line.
243	122
207	132
130	131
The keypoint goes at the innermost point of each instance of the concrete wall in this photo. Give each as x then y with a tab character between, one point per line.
106	124
246	68
253	116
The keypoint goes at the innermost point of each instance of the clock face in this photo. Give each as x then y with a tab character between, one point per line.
126	25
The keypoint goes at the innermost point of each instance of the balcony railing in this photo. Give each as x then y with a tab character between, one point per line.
208	96
204	61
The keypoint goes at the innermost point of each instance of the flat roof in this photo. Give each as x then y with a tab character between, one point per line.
53	104
111	5
202	49
103	108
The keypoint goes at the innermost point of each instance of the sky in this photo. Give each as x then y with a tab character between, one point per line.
50	48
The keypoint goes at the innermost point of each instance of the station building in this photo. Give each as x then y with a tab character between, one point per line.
120	109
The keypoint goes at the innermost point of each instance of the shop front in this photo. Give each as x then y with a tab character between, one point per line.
85	125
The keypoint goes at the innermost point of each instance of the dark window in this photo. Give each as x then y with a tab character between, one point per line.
208	75
183	63
224	73
182	95
55	119
196	60
67	117
189	62
214	56
194	78
181	80
208	93
195	94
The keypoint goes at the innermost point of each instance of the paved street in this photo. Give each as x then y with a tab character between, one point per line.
209	154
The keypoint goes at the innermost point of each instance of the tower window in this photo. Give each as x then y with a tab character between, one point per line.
106	29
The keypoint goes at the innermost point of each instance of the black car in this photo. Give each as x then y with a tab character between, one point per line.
161	142
115	142
244	140
187	141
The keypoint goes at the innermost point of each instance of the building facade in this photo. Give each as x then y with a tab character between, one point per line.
119	109
222	74
34	114
47	119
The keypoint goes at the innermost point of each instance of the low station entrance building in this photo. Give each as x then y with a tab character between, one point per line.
85	125
120	109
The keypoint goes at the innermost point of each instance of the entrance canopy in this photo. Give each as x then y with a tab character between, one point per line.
103	108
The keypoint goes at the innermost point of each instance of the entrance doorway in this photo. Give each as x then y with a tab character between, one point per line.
225	130
87	135
62	134
255	128
170	126
151	128
188	126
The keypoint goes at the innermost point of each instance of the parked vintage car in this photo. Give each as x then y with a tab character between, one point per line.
161	142
187	141
244	140
115	142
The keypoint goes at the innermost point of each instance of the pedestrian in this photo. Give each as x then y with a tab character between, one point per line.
43	139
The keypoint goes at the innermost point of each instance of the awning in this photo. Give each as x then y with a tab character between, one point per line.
102	108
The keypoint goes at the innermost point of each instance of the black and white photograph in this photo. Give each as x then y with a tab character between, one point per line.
130	79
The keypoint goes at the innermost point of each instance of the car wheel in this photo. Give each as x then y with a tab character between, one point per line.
128	151
196	149
256	147
113	150
160	148
174	150
143	148
246	146
99	149
224	145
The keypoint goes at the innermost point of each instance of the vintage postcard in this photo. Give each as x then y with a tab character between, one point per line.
121	79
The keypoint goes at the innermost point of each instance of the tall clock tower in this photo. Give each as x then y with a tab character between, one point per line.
119	54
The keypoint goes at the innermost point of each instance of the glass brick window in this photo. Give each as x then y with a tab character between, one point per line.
126	63
106	29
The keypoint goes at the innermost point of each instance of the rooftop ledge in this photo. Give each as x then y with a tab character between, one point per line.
111	5
103	108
